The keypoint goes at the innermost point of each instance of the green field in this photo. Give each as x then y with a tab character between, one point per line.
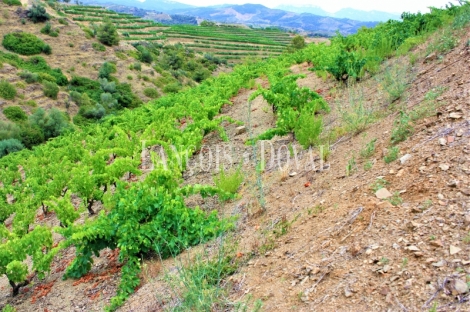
210	39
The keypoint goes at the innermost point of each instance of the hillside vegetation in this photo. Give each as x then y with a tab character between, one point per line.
105	191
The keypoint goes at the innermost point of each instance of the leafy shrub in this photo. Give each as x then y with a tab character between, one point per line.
63	21
137	66
96	112
31	135
174	87
47	49
228	181
392	155
9	130
37	13
46	77
24	43
15	113
29	77
12	2
107	34
10	146
369	149
52	124
7	90
98	47
50	89
151	93
46	29
106	70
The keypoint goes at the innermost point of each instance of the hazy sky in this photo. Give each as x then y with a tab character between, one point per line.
397	6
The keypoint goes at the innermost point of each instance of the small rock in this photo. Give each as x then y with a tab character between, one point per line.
450	139
430	57
292	174
444	167
460	286
454	250
465	191
386	268
384	291
436	243
400	172
412	248
418	254
460	132
455	115
443	141
430	260
440	196
394	278
453	183
465	262
439	264
240	130
383	193
405	158
347	292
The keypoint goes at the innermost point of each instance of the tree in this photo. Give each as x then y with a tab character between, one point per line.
298	42
107	34
38	13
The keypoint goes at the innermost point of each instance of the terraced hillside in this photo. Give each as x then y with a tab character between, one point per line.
232	43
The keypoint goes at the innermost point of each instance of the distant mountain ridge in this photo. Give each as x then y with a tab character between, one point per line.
248	14
354	14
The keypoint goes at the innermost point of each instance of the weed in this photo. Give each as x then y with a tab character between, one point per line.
369	149
384	261
427	204
282	227
351	167
404	262
466	239
325	151
392	155
434	93
380	183
129	77
284	173
318	209
356	116
268	245
445	42
228	182
394	82
434	307
402	128
198	286
396	200
368	165
432	237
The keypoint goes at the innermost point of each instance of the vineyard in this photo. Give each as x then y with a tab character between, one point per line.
91	181
202	39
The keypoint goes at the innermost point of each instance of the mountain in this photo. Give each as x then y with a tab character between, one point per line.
259	15
359	15
154	5
366	15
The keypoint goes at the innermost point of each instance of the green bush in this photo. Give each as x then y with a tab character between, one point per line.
137	66
308	129
38	14
392	155
12	2
63	21
106	70
31	135
228	181
107	34
98	47
52	124
24	43
7	90
9	130
47	49
174	87
15	113
151	93
50	89
402	128
29	77
10	146
46	29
